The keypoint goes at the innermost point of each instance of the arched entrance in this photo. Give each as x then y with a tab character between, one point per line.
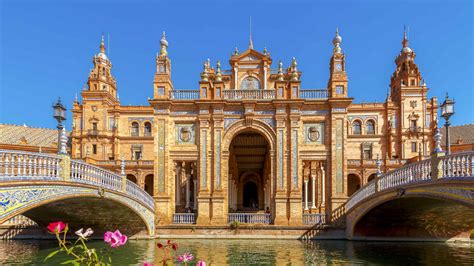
149	184
249	172
250	196
353	184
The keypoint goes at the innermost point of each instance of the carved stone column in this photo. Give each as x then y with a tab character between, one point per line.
188	190
281	195
306	194
219	189
296	182
313	191
204	167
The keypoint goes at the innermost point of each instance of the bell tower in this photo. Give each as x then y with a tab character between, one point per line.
337	84
162	83
100	77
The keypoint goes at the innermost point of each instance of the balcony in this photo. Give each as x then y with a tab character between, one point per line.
314	94
184	218
184	94
314	218
249	218
93	132
249	94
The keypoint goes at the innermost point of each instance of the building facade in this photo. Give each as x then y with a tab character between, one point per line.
250	139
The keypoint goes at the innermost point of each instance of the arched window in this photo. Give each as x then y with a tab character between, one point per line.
371	177
147	131
353	184
356	128
370	127
135	129
250	83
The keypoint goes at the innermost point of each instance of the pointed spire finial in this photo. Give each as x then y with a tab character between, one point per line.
218	74
163	44
265	50
250	40
280	71
236	51
337	42
102	45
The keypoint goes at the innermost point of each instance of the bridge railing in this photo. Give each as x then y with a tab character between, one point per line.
20	165
82	172
458	165
314	218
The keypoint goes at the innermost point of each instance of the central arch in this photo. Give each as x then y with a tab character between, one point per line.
248	166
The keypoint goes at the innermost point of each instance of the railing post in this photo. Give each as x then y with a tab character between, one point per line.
436	165
123	175
64	167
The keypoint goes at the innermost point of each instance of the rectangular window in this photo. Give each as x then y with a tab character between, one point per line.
295	92
138	155
204	92
428	120
367	153
280	91
94	148
111	123
161	91
339	89
413	147
412	82
413	125
218	92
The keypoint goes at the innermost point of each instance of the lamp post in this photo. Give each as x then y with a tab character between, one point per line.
60	115
447	110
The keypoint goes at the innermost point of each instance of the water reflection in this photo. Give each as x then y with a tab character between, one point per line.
270	252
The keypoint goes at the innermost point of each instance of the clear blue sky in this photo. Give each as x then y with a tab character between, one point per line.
47	46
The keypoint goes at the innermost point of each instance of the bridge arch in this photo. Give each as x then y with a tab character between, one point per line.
418	203
79	205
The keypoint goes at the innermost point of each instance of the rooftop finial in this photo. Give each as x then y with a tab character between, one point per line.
337	42
236	51
218	74
102	45
280	71
250	41
265	50
405	48
163	44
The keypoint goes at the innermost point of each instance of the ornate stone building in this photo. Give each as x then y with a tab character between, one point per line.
250	138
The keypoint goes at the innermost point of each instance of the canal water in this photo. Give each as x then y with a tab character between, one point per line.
260	252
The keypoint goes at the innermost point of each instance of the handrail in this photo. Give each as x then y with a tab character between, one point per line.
184	94
20	166
458	165
314	94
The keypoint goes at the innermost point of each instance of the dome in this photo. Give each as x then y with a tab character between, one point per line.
337	39
163	40
103	56
407	50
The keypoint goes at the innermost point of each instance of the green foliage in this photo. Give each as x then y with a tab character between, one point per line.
235	225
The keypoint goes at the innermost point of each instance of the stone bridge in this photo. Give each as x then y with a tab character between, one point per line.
47	188
433	198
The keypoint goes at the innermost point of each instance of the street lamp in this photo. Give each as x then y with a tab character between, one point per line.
447	110
60	115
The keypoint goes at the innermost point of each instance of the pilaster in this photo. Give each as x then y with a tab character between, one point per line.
204	167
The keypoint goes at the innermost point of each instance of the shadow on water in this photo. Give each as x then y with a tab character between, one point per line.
258	252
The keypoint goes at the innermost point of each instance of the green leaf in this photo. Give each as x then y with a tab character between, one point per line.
73	262
52	254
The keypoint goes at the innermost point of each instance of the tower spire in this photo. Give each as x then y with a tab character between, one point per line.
337	42
102	45
250	39
163	44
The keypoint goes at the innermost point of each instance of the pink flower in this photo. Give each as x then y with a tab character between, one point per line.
201	263
186	257
57	227
115	239
86	234
147	264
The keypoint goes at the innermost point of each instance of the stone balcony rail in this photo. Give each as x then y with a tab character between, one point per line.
184	94
184	218
26	166
127	162
314	218
458	165
259	94
249	218
248	94
314	94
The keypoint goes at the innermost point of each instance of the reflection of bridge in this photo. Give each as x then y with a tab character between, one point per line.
46	188
431	198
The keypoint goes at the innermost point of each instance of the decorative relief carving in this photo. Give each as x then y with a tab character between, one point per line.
269	121
314	112
314	133
190	112
265	112
140	119
229	121
233	112
185	133
338	110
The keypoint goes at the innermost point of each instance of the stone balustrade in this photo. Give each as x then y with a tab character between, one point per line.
445	167
314	218
21	166
249	218
184	94
249	94
184	218
314	94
